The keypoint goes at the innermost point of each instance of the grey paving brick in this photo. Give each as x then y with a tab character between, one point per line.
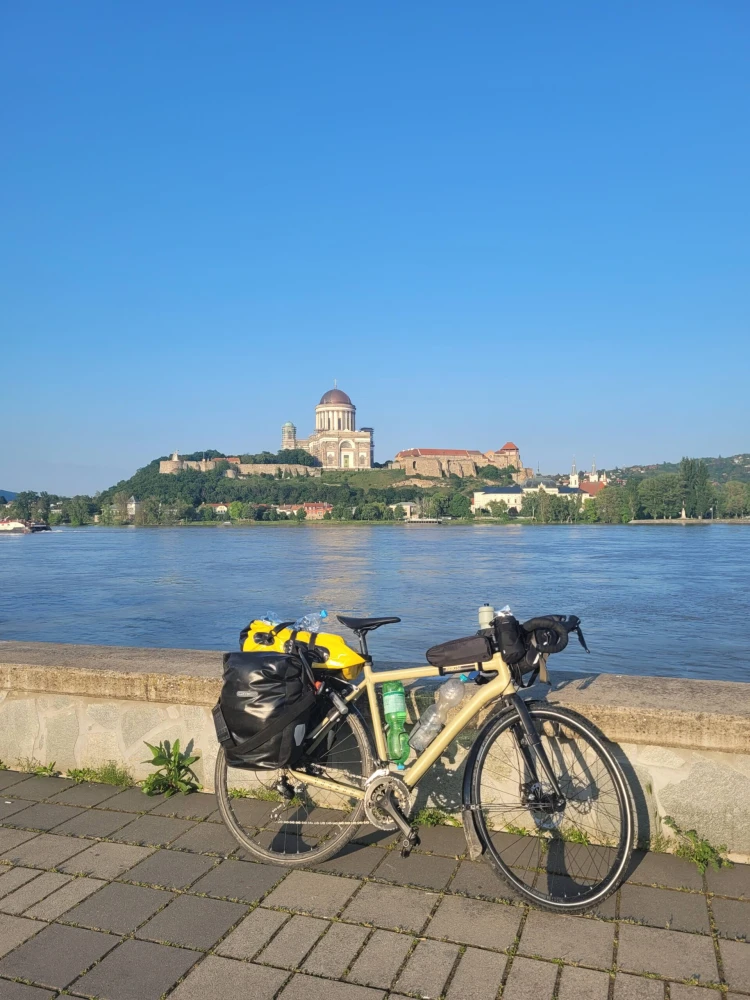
86	794
477	878
475	922
677	991
192	922
369	836
430	871
10	840
334	953
14	878
638	988
736	958
672	954
57	955
22	899
198	805
170	869
64	899
572	939
676	911
252	934
221	977
106	860
40	787
153	831
93	823
381	959
650	868
446	840
527	980
247	881
309	988
734	881
354	859
8	778
132	800
428	968
118	908
45	850
207	838
15	930
8	807
311	892
732	918
137	970
583	984
289	947
42	816
18	991
391	906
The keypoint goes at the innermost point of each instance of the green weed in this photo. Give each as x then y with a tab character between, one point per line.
30	765
435	817
3	766
174	772
107	774
264	794
697	849
516	831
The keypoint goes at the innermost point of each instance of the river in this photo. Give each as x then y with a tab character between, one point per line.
670	600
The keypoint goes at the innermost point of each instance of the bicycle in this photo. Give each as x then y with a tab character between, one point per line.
543	797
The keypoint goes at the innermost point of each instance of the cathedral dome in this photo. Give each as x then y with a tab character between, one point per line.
334	397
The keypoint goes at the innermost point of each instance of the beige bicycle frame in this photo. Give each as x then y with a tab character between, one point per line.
501	686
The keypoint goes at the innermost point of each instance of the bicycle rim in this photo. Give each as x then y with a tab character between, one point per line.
315	823
569	859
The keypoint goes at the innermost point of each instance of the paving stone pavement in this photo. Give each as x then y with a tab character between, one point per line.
110	894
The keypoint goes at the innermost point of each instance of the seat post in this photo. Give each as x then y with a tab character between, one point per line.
363	646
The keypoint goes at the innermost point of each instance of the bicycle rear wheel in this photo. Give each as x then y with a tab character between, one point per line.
565	859
315	823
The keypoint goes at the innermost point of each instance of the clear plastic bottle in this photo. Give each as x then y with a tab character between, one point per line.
434	717
313	622
271	617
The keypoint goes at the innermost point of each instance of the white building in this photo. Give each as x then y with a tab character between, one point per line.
335	442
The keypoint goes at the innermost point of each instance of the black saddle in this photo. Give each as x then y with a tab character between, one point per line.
363	625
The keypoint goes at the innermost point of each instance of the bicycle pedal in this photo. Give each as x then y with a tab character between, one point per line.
409	843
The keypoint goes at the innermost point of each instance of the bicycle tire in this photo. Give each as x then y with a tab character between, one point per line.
254	844
539	863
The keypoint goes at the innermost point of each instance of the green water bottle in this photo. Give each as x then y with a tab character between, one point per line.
394	709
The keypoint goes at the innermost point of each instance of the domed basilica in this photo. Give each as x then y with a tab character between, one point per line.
335	442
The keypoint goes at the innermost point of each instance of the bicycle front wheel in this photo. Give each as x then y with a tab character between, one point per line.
563	859
315	823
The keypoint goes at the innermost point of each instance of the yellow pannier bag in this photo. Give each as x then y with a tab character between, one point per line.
263	636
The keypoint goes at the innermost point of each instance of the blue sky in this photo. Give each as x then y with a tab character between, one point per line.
489	221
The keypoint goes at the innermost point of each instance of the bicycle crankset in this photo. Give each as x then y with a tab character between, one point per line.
388	805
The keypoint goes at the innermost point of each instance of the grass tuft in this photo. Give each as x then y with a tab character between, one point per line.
435	817
106	774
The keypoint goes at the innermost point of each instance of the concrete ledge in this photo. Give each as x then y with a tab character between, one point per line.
692	714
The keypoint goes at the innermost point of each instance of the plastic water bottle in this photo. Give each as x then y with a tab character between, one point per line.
434	717
394	709
486	616
314	622
271	617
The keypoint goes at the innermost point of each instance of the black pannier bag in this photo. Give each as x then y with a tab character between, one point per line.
263	712
460	652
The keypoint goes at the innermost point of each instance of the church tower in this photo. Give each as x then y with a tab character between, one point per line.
573	476
288	436
593	475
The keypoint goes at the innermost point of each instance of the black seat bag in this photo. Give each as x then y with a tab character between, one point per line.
266	703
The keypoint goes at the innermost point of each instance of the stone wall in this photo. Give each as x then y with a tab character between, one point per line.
685	745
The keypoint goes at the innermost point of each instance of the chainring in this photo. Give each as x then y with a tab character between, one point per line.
377	785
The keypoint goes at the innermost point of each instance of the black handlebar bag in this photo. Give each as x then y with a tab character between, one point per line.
264	709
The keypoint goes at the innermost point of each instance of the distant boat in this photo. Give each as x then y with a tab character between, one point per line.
13	526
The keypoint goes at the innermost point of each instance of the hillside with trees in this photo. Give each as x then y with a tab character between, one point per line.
736	468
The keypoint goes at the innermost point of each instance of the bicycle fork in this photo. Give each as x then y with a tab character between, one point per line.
529	744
